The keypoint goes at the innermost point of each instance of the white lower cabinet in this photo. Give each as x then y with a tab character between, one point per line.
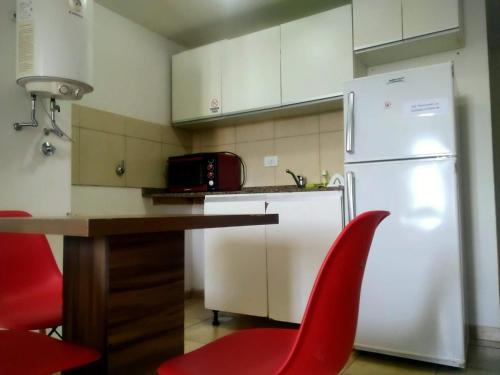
269	270
296	247
235	258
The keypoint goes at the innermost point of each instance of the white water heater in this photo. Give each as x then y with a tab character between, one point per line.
54	52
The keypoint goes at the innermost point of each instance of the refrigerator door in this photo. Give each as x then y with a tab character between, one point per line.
411	298
400	115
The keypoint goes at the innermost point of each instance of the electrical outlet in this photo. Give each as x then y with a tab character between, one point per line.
271	161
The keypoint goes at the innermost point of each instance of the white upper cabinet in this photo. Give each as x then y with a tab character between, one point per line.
376	22
251	72
316	56
422	17
196	83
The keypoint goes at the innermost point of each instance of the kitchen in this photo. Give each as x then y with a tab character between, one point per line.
124	76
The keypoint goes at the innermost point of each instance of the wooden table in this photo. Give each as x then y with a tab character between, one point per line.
123	288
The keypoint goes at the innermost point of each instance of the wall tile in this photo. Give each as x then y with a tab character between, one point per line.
75	115
301	155
196	141
177	136
255	131
331	121
293	126
100	153
144	163
218	148
173	150
75	155
143	130
253	154
331	152
218	136
95	119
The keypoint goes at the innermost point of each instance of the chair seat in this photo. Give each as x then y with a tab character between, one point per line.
252	351
36	308
23	352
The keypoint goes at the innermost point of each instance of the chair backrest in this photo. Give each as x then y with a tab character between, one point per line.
326	335
26	260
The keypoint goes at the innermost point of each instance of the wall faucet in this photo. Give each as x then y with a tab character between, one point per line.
299	180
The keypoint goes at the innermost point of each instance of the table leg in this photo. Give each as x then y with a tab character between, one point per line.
124	295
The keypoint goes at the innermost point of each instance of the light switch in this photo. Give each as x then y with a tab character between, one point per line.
271	161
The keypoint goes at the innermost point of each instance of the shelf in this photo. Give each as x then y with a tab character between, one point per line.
292	110
162	196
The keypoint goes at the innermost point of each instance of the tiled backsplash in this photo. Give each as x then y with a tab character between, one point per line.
306	145
103	139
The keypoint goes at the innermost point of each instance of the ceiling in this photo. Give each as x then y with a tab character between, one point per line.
193	23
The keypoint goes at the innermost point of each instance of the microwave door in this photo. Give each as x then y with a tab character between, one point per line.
187	175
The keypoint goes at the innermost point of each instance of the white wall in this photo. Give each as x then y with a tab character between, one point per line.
131	69
131	78
472	79
28	180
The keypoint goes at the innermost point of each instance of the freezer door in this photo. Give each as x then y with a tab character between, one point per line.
400	115
411	298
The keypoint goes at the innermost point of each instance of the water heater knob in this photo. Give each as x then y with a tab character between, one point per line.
64	90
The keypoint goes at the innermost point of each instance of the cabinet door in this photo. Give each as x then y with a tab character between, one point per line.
376	22
296	248
316	55
422	17
196	83
235	261
251	72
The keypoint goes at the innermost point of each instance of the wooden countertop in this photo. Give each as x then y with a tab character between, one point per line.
83	226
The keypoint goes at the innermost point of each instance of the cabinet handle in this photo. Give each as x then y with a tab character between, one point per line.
351	205
349	126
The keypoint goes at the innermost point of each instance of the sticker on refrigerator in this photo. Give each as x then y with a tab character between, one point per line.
426	108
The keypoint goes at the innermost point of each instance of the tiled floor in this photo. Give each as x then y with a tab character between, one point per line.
483	359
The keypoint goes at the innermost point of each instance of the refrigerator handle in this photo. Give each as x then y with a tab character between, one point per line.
351	207
349	141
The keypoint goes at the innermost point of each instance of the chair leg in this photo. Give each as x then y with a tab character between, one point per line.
54	330
215	321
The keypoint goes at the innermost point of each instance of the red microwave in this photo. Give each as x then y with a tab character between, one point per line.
207	171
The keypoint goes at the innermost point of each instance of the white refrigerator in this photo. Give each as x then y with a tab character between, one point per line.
401	155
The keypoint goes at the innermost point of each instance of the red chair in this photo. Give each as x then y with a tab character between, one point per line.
30	281
323	342
23	353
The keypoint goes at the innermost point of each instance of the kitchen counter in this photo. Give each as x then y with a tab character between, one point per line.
162	196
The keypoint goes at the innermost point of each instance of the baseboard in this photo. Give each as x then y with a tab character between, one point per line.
483	333
194	293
